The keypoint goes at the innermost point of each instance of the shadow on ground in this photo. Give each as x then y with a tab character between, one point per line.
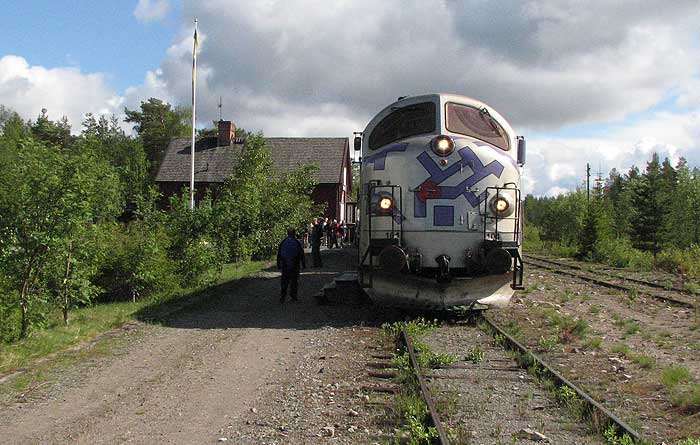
253	302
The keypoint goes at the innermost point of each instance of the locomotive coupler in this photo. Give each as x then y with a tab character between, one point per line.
443	269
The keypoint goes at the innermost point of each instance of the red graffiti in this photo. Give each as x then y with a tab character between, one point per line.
429	190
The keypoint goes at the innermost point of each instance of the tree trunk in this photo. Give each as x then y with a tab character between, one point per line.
23	302
66	286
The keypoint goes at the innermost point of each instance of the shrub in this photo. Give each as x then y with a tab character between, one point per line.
618	252
680	261
194	246
139	266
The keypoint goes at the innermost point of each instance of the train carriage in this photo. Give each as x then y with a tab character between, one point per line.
440	222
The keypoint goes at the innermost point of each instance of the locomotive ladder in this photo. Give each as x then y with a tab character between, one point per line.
375	245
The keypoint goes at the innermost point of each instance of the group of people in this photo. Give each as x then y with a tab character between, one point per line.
290	254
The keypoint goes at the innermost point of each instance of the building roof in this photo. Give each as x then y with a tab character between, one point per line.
214	164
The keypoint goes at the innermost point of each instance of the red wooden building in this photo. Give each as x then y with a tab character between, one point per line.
216	158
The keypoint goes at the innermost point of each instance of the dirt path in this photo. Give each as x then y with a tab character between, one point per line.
191	379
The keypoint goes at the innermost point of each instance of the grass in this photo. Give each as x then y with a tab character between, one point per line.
673	375
594	342
643	361
88	322
687	398
620	348
570	328
629	327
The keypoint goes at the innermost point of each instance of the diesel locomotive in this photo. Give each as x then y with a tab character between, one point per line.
440	201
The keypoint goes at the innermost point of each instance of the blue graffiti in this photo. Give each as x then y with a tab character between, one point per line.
378	160
431	188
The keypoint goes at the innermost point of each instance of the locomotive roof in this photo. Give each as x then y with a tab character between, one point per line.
443	98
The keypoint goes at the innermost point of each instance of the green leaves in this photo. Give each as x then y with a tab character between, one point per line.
155	124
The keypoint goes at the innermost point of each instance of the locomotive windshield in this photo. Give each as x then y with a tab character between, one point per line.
408	121
477	123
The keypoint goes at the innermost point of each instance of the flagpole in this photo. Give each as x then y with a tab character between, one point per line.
194	104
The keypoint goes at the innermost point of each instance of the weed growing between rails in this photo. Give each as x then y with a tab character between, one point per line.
576	402
409	407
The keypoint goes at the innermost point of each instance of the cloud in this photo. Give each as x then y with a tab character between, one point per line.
556	164
301	68
151	10
288	69
542	64
62	91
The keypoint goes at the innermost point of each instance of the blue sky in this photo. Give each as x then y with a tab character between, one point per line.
607	84
96	36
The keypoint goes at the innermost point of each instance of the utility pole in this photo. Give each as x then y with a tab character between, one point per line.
220	109
588	183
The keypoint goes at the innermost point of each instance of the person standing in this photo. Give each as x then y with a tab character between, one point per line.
315	240
342	231
335	231
290	255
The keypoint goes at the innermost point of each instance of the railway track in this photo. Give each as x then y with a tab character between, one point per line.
673	296
492	398
614	275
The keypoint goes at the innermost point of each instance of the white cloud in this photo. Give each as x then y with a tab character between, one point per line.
689	96
151	10
672	135
296	69
556	64
62	91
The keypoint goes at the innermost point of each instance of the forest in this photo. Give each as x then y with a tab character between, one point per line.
641	219
80	224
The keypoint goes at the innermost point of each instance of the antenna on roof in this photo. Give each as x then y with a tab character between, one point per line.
220	103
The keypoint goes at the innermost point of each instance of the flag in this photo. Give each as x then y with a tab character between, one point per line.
194	61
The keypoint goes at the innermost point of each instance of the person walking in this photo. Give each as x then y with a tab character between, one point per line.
315	240
289	255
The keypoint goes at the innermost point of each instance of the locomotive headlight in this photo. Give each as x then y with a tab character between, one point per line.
442	145
501	205
385	203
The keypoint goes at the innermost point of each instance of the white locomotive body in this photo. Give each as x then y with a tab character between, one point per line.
440	223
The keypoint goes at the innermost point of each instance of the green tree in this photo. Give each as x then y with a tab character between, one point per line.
107	139
12	127
256	204
50	132
46	197
595	225
240	200
617	197
683	223
649	209
156	123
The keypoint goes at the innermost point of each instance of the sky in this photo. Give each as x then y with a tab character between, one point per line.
598	81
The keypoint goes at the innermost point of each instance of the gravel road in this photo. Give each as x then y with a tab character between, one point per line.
223	371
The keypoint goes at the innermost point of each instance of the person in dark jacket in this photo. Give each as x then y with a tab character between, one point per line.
289	255
315	240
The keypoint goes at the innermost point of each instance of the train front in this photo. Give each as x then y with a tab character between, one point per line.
440	222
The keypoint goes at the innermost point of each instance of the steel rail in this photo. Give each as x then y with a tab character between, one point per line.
435	420
614	275
608	284
622	427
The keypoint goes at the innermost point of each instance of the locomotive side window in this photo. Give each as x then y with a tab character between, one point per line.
408	121
477	123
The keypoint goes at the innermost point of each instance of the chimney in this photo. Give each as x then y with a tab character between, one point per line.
226	133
